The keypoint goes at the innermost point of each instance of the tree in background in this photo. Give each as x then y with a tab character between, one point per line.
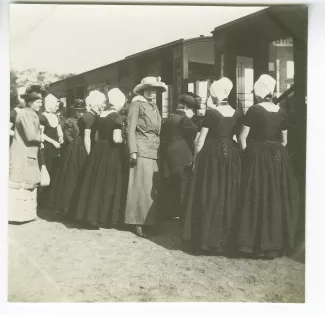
13	89
29	77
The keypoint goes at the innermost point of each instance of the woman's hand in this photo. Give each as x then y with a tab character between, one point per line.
61	140
56	144
133	159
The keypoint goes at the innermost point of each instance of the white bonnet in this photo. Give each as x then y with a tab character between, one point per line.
94	98
264	85
50	101
221	88
116	98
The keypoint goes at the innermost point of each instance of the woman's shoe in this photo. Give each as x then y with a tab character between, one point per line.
139	231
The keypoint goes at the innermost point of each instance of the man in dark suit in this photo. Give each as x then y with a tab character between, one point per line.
177	143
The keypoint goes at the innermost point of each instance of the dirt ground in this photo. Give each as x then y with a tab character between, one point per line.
54	262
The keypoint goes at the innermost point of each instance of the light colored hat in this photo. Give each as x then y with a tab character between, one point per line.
94	98
221	88
116	98
264	86
150	82
210	102
50	101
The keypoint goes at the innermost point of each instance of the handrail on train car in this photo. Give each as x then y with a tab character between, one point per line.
277	100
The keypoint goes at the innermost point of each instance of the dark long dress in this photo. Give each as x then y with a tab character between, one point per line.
269	202
215	186
72	163
51	157
101	195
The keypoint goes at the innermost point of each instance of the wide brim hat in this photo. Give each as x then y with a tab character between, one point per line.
33	93
150	82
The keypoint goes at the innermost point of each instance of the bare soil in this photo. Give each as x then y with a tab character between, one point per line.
54	262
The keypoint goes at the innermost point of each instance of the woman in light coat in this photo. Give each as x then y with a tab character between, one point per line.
24	171
142	131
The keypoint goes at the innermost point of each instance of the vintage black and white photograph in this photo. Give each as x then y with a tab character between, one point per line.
157	153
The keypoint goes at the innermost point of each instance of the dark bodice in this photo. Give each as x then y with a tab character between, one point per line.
88	121
106	126
265	125
49	131
221	127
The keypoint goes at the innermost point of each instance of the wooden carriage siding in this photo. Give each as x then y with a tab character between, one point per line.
178	63
273	40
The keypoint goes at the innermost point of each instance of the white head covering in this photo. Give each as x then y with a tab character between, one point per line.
50	101
94	99
150	82
210	102
221	88
264	85
116	98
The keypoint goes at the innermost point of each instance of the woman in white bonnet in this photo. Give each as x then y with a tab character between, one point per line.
53	138
269	203
101	195
62	191
142	131
215	186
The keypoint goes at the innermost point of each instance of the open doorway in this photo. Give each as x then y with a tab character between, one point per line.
245	82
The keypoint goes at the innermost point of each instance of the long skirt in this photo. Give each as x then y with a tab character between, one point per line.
66	179
100	197
269	203
174	192
22	205
51	161
142	201
213	195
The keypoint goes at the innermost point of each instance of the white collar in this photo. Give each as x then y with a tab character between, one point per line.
107	112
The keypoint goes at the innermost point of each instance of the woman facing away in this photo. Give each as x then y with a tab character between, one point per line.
62	194
215	186
53	138
101	194
269	202
142	130
24	171
71	161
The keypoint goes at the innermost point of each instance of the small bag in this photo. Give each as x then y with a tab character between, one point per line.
45	176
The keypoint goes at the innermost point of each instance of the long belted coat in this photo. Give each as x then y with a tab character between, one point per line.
142	131
24	171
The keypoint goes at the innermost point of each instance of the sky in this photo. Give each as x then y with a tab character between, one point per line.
77	38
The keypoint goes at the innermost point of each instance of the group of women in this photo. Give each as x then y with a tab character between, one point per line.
230	195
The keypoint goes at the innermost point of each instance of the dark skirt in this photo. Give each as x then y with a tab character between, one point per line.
213	195
269	202
51	158
100	197
66	179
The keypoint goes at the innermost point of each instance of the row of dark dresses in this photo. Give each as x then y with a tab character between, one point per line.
236	201
91	188
247	201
